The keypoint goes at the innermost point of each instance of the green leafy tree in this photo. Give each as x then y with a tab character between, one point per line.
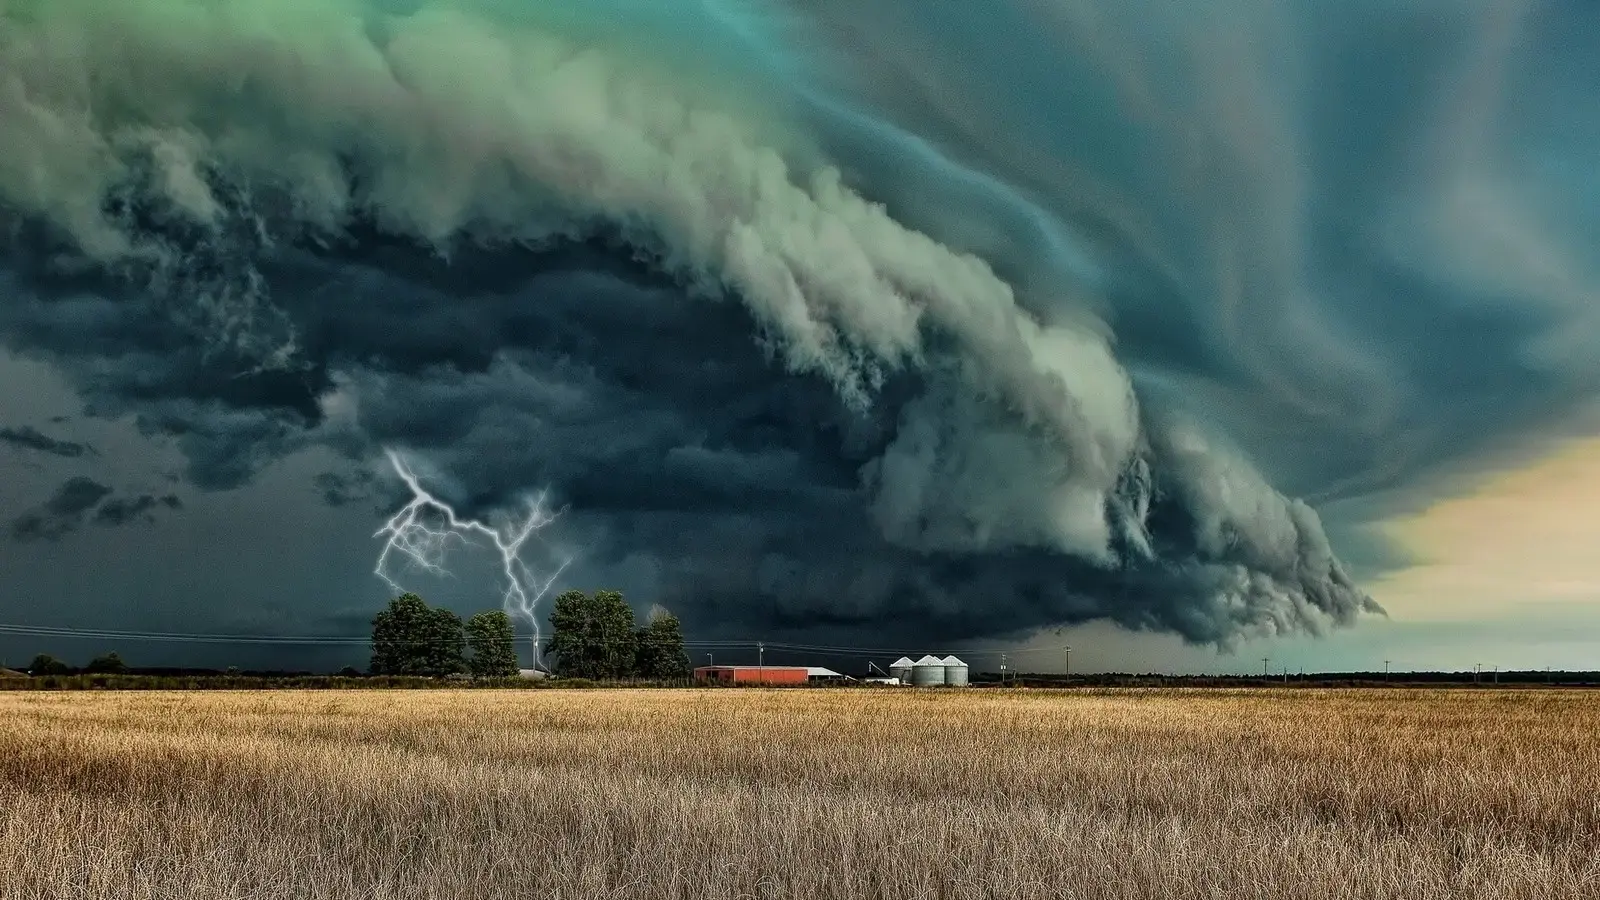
593	636
411	638
660	651
493	644
109	664
396	636
444	643
569	633
614	628
45	664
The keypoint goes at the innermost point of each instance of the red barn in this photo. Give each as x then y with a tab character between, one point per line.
753	674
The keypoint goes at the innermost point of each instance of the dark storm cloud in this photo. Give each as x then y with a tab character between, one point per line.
63	513
29	438
1123	296
70	506
118	511
1341	237
339	489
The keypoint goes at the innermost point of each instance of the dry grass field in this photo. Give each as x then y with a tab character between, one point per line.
800	794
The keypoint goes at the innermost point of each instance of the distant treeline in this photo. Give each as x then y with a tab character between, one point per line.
212	681
592	637
1307	679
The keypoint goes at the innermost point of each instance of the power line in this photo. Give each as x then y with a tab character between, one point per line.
844	651
114	634
111	634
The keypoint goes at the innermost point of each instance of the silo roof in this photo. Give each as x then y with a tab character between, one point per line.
902	661
929	661
952	661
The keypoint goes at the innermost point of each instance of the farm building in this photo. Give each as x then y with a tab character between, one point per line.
753	674
768	674
928	672
931	671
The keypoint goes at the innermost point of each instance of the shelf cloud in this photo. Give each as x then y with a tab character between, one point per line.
955	322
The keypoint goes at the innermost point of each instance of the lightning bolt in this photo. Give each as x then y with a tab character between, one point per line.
409	535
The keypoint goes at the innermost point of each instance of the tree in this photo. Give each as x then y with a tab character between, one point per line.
45	664
109	664
569	633
444	644
593	637
395	635
412	638
614	634
493	643
660	649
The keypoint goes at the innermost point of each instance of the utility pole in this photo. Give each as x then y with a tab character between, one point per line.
1477	668
1069	662
1496	674
1264	661
1386	670
761	661
1003	658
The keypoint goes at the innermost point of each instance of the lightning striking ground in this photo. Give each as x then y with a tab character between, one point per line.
409	534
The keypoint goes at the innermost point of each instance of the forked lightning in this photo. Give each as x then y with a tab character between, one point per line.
408	533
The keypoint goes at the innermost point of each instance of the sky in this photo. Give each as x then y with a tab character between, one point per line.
1185	340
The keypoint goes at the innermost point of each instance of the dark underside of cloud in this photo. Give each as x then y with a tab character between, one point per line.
669	430
72	504
826	357
30	438
123	511
62	513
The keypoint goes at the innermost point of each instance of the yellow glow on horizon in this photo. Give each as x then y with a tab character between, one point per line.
1523	537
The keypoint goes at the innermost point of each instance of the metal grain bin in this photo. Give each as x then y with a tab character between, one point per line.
901	669
955	672
928	672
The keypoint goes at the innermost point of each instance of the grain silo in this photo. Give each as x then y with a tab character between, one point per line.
928	672
955	672
901	669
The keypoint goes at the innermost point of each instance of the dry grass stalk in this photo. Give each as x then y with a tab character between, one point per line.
800	794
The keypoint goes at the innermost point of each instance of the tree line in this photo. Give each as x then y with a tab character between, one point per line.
409	637
595	636
105	664
592	636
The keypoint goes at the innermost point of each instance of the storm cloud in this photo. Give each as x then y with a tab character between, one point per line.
63	513
70	506
29	438
952	322
122	511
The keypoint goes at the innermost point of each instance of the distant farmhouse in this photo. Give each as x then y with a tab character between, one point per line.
930	671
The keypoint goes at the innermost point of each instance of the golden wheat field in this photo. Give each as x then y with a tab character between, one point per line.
800	794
